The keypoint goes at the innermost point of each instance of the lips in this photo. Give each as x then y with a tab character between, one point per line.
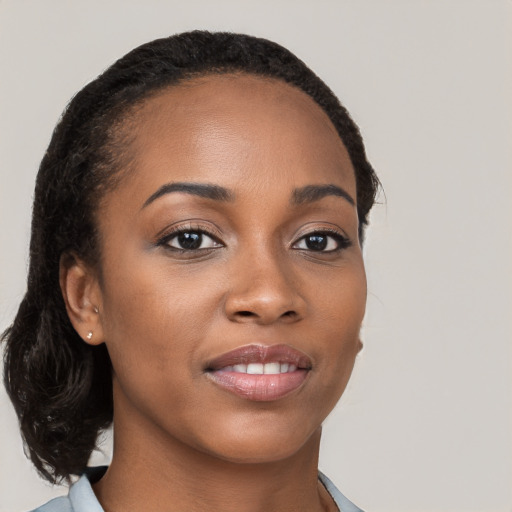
259	372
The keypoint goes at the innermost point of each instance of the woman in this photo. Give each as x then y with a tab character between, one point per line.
196	278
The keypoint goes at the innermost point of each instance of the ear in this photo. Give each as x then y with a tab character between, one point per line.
82	296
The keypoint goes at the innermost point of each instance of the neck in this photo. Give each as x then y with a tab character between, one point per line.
154	472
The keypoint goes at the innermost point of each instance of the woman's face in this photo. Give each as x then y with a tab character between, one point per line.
229	249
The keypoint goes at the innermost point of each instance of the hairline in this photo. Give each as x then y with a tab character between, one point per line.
120	134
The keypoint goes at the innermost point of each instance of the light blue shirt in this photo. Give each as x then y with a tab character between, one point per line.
81	497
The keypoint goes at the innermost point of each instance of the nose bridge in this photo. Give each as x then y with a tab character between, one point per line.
263	286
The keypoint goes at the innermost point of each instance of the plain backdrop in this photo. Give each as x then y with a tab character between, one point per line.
426	422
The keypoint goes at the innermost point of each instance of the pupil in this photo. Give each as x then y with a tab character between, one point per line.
316	242
190	240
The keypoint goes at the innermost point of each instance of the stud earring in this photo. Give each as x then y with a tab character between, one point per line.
89	335
96	310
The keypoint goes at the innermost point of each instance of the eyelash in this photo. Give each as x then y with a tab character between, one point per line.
341	241
183	230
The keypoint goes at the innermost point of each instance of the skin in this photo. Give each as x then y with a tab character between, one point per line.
164	313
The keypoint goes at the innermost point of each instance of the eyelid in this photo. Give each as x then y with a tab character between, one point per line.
163	238
341	238
170	232
204	237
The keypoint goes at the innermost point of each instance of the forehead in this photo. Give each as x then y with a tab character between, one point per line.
237	128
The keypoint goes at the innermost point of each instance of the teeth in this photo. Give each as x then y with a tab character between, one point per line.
255	369
274	368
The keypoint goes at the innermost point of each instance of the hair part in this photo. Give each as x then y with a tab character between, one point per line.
60	386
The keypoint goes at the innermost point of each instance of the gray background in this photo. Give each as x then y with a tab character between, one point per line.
426	422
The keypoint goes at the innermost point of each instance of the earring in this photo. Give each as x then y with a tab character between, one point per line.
96	310
89	335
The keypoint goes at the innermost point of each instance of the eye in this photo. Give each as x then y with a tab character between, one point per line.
190	240
321	241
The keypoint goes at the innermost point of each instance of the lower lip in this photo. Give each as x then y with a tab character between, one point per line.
259	388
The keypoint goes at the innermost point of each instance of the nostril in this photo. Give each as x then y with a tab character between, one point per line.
249	314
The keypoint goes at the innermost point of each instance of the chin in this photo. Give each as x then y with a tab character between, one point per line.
268	444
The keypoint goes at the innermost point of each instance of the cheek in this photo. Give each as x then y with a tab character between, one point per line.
339	314
155	323
340	301
148	311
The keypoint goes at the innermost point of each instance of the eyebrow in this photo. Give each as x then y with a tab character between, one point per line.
312	193
207	190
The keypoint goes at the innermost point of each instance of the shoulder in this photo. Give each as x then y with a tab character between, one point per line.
343	503
81	497
62	504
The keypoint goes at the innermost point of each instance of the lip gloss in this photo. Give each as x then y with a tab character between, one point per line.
260	373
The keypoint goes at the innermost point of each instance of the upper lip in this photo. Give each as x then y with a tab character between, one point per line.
261	354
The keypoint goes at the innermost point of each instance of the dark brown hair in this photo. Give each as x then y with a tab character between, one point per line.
60	386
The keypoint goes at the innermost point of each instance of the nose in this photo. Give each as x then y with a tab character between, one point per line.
264	291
